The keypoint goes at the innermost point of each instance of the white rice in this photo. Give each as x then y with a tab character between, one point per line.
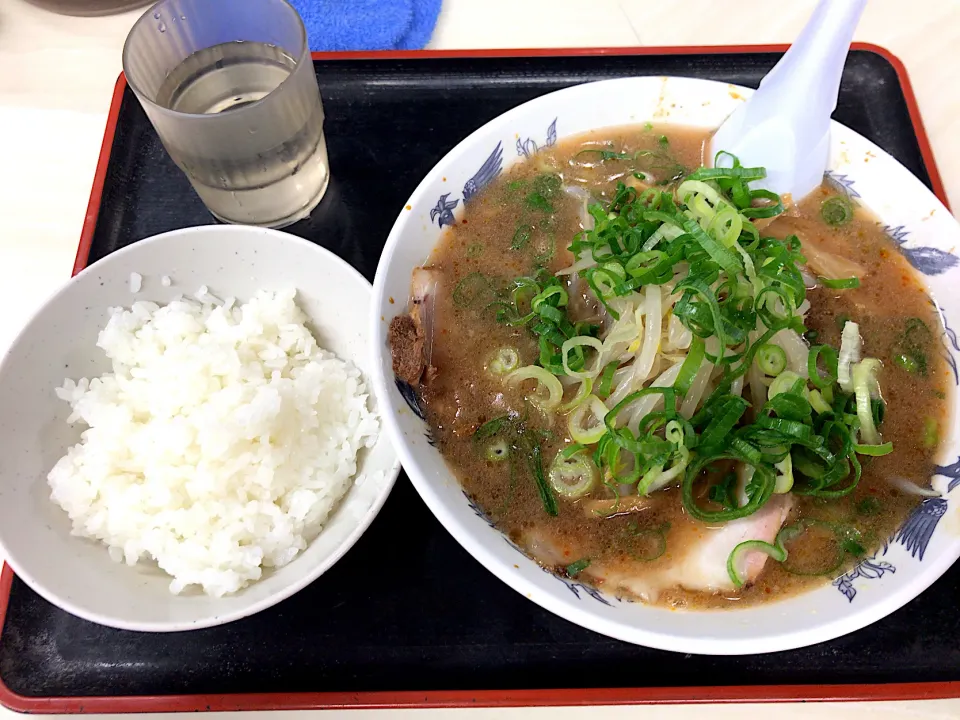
219	444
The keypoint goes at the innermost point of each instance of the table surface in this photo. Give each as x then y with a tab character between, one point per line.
57	74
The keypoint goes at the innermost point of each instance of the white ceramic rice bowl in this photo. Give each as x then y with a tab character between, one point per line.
923	549
60	341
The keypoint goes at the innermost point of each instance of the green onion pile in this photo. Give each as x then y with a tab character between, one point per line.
697	361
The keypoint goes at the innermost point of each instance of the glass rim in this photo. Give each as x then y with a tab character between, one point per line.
138	91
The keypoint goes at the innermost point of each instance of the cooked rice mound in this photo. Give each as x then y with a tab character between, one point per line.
220	442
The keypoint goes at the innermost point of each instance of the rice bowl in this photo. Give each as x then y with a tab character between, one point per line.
60	341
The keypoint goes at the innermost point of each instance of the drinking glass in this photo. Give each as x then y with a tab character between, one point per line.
231	90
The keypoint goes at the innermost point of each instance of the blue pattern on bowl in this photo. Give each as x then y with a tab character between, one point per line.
528	147
870	569
950	345
928	260
409	395
442	212
914	535
842	182
491	167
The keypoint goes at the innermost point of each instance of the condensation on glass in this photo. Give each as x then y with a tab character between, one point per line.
231	91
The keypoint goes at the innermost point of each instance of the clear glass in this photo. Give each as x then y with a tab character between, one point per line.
231	91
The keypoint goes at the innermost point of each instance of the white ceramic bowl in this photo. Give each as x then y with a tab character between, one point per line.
60	341
919	552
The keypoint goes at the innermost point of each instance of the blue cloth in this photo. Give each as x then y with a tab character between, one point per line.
368	24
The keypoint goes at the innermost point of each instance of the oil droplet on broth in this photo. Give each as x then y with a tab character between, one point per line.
161	27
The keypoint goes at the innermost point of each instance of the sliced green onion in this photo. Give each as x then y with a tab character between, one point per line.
721	255
497	451
591	407
541	299
773	207
657	478
583	392
849	283
605	383
850	347
906	362
771	359
537	201
506	360
739	173
521	237
492	428
535	460
715	434
471	289
691	365
726	226
868	506
874	450
777	552
574	476
690	187
575	568
580	341
784	475
864	385
572	450
830	360
812	564
818	403
647	544
784	383
763	477
836	211
545	381
931	435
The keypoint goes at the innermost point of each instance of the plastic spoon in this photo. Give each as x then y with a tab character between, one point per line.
785	125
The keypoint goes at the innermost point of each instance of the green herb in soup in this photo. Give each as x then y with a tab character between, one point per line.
667	382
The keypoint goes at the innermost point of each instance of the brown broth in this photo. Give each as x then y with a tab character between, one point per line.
464	395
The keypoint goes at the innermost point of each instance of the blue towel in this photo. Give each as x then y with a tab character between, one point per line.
368	24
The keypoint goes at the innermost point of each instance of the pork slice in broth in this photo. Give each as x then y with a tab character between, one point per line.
699	560
696	560
411	335
817	246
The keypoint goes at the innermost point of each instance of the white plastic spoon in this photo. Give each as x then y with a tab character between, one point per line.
785	125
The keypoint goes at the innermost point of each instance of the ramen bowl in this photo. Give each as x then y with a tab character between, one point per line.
917	553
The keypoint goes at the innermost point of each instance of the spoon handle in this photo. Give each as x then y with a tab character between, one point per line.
785	125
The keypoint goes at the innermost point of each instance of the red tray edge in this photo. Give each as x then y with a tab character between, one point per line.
483	698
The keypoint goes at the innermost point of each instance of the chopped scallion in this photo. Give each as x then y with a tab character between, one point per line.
575	568
840	283
771	359
836	211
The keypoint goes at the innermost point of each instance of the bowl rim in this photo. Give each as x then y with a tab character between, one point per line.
390	474
471	541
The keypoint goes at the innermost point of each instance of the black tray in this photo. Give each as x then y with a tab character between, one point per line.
408	617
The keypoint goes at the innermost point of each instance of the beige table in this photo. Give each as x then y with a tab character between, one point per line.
57	74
